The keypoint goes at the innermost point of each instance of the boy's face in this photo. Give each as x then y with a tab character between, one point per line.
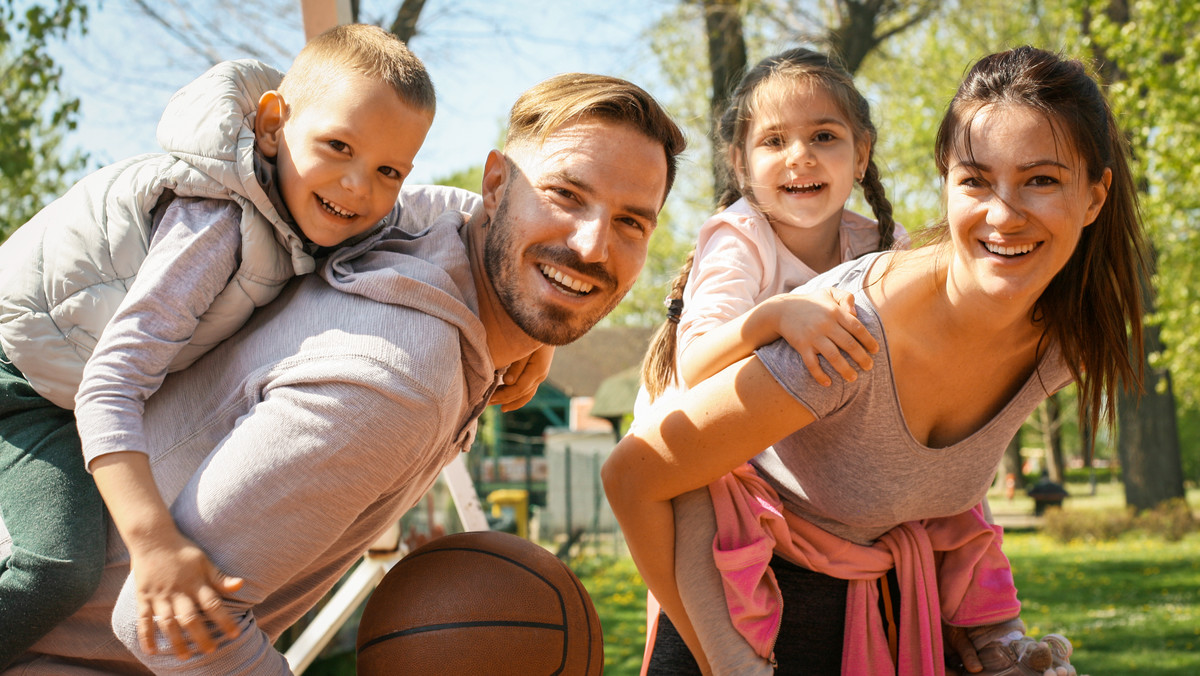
342	155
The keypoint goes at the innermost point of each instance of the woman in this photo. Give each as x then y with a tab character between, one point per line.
1028	285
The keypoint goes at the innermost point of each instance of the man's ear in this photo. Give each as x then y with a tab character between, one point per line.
495	178
268	123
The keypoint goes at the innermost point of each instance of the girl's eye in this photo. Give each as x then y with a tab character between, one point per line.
824	137
338	145
773	141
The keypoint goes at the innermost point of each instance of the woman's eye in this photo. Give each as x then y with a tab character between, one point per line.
1044	180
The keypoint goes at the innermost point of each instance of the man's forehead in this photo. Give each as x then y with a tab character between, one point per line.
581	150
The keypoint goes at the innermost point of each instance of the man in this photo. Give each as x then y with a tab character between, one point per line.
287	450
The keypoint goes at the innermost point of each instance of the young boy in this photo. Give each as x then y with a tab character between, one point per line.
147	264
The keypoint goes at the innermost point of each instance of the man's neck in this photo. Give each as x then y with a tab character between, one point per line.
505	340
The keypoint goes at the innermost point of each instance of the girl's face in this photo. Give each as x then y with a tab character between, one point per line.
799	161
1016	204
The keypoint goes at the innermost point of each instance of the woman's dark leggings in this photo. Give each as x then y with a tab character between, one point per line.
810	639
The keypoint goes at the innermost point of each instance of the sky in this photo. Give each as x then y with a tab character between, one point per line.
480	54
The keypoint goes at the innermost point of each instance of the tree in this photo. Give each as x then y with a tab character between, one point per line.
1147	52
34	112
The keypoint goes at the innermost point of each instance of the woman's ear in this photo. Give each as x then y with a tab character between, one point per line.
1099	193
268	123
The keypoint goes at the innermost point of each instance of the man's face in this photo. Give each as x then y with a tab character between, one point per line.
570	221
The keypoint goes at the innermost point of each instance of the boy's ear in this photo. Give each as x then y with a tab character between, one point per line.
268	123
495	177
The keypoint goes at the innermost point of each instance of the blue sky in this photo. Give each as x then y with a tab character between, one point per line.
480	54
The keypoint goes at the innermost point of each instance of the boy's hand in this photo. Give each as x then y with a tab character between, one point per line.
825	323
522	379
179	592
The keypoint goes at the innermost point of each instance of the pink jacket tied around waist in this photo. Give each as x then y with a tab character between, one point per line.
974	588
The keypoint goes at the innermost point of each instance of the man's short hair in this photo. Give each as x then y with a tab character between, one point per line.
549	105
368	50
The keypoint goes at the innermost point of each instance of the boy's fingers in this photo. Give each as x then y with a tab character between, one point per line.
517	402
192	623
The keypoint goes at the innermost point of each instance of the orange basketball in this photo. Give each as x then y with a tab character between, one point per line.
480	603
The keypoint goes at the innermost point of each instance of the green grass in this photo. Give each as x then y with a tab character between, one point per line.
1130	607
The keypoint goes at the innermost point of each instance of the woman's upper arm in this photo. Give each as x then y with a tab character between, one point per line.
716	426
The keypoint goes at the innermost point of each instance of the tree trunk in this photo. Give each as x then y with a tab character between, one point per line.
1148	433
727	63
1051	419
1010	476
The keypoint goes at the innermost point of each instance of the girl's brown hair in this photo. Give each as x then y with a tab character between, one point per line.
796	66
1093	308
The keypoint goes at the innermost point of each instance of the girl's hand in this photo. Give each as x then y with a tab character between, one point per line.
179	592
825	323
522	379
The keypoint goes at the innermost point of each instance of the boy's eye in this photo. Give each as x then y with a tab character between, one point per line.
338	145
391	172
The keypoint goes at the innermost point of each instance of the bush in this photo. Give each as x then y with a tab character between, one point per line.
1171	520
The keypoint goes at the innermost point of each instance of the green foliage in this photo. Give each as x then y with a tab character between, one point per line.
34	114
1157	97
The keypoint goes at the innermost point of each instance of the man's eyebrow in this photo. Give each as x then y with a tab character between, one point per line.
583	186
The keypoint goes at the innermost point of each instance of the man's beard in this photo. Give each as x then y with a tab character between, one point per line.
544	322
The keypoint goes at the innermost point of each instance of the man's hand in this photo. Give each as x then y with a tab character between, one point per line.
522	379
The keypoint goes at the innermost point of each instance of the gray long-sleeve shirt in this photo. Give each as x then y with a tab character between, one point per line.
285	451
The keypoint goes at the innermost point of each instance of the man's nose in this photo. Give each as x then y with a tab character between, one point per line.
589	239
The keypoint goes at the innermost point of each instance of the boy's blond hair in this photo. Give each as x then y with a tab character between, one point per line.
368	50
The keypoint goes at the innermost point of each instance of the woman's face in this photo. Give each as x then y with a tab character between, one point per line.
1016	203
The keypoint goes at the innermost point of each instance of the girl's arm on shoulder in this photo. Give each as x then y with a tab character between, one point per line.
824	323
722	423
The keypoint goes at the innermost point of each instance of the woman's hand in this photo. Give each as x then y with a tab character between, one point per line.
179	592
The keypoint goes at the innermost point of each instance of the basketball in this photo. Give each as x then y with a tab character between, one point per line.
485	603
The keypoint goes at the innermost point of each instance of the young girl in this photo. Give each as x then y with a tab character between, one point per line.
1030	286
798	137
